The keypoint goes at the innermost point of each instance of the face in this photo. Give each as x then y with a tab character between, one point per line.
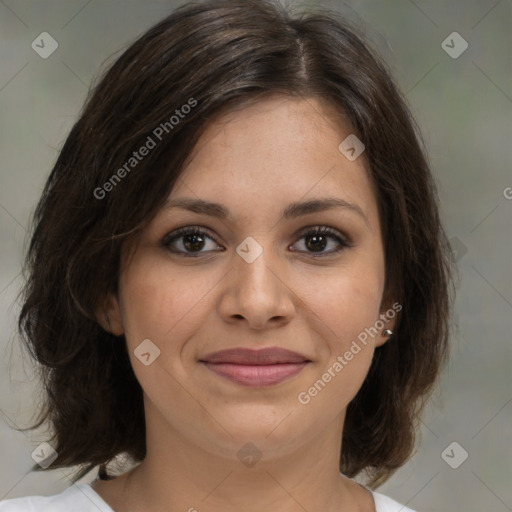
283	249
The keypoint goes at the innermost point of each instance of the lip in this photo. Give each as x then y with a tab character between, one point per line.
256	375
256	368
262	356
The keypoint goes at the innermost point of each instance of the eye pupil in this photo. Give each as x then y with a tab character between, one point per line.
193	242
316	242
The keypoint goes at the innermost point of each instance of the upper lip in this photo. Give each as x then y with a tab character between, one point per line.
246	356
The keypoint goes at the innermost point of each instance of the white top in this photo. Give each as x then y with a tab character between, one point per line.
83	498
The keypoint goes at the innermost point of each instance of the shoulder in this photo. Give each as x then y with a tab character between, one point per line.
382	504
78	497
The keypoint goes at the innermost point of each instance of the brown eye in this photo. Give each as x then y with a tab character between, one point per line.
316	242
193	242
190	241
318	239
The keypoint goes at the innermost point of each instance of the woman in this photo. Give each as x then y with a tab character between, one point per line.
238	277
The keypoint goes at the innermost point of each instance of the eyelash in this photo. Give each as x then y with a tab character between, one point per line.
310	231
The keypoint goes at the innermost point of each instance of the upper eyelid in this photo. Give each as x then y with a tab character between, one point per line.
330	231
179	232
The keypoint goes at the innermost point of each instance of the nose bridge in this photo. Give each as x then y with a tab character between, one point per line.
255	291
254	269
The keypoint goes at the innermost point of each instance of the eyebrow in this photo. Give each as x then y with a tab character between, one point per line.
292	211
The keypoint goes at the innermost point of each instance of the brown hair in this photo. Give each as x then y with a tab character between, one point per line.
215	56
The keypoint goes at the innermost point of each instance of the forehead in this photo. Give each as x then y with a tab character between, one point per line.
281	149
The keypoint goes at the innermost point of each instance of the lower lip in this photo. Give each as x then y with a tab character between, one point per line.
256	376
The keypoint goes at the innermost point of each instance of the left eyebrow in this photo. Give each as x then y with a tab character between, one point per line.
298	209
292	211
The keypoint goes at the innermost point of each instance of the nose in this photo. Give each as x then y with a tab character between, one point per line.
256	294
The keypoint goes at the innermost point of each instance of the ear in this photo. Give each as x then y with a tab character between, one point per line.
109	316
387	320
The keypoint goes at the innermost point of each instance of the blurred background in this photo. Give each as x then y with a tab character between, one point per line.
453	60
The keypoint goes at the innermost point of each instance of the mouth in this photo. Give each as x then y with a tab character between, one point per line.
256	368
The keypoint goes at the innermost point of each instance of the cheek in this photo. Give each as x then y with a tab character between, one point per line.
163	304
346	307
344	318
356	311
153	301
160	306
347	301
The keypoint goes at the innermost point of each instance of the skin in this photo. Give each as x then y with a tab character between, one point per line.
255	162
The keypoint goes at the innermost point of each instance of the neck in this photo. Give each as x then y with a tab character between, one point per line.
180	473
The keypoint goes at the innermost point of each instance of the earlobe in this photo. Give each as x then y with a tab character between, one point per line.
386	324
384	336
109	317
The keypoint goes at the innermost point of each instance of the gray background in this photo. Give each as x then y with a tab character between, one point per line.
464	106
